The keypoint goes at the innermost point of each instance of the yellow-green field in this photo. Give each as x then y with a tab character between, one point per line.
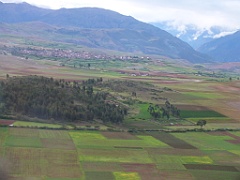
70	155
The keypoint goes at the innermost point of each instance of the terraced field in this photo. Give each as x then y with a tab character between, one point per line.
71	155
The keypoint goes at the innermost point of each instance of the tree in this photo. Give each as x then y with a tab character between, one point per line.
134	94
201	123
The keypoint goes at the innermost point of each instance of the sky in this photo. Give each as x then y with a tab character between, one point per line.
201	13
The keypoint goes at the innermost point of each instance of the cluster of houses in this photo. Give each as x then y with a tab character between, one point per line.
67	54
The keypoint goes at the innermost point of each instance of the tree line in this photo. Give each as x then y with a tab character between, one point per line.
48	98
167	110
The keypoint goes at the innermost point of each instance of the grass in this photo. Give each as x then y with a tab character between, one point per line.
133	123
126	176
204	141
99	175
196	160
200	114
143	113
204	95
3	135
114	155
165	159
17	141
153	142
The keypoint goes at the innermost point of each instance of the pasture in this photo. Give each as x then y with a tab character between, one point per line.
70	155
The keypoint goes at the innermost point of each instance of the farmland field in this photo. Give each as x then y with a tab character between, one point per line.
71	155
144	147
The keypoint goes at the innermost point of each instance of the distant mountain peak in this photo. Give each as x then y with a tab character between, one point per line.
193	34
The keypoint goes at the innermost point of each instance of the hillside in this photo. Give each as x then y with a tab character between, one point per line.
99	28
46	98
225	49
23	12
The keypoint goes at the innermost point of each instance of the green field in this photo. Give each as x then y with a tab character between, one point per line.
119	155
200	114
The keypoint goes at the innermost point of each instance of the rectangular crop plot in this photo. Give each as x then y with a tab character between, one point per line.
211	167
58	144
171	140
57	156
215	175
37	162
169	174
170	166
224	157
119	135
131	167
99	175
97	140
3	135
192	108
25	161
114	155
101	166
64	171
204	141
24	132
174	151
196	160
200	114
54	134
20	141
162	159
126	176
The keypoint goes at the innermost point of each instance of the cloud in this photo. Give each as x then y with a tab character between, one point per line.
222	34
204	13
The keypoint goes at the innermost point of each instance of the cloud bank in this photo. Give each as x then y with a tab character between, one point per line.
203	14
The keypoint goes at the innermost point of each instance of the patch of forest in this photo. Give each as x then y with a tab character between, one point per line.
48	98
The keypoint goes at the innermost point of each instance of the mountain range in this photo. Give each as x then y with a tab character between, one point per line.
192	34
94	28
220	43
224	49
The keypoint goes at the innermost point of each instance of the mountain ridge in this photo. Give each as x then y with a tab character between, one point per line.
225	49
104	29
193	35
